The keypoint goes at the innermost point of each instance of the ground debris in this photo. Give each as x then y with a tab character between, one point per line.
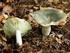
57	42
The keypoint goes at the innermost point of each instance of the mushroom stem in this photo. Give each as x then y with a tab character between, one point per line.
18	37
46	30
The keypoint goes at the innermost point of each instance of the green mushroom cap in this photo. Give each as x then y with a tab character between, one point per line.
13	24
48	15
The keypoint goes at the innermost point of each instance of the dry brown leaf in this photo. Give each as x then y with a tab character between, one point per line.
7	9
41	51
10	1
2	5
62	23
55	1
58	40
1	17
3	21
50	1
3	38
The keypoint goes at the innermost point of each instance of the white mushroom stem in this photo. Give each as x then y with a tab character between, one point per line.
18	37
46	30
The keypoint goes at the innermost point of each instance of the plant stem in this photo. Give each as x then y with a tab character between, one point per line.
18	37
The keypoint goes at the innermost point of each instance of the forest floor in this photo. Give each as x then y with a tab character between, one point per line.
58	42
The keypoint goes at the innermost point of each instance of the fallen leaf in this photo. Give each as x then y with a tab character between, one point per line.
2	5
50	1
1	17
41	51
7	9
10	1
58	40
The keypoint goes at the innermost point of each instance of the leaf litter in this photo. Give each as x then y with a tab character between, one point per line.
57	42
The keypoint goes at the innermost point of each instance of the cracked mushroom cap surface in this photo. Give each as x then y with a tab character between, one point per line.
13	24
48	15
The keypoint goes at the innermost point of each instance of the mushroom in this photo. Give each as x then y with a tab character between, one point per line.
47	17
16	26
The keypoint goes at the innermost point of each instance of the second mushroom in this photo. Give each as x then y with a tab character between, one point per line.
47	17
